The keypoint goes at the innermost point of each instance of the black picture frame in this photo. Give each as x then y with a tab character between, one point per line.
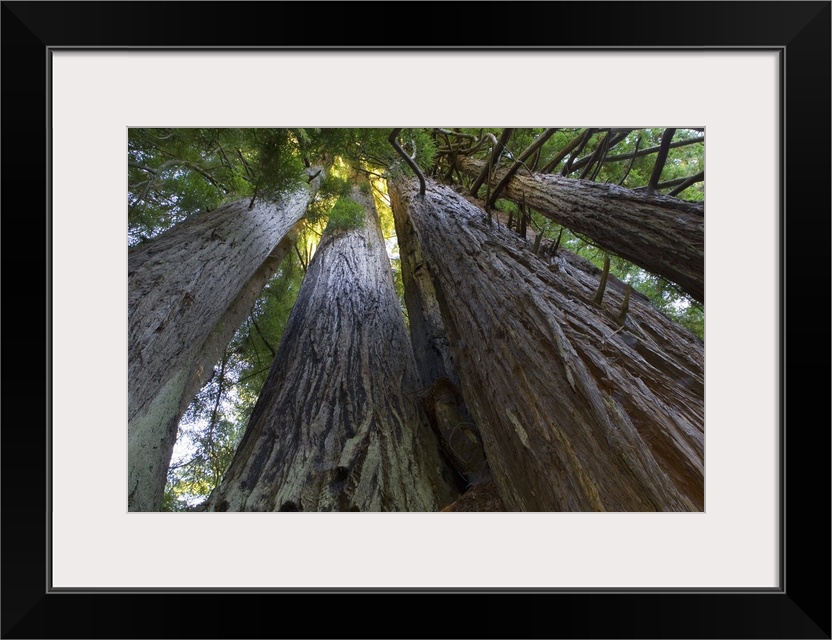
799	608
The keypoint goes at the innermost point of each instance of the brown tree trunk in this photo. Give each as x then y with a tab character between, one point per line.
338	426
663	235
189	290
577	411
458	435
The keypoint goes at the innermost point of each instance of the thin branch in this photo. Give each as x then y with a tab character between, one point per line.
650	150
616	136
300	258
224	158
568	167
459	134
262	337
632	162
550	166
667	184
553	246
661	158
534	146
625	305
251	375
392	140
246	166
136	165
602	283
699	177
369	173
214	415
521	226
173	467
204	174
156	174
496	152
596	157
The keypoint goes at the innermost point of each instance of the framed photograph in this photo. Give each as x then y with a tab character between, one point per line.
754	563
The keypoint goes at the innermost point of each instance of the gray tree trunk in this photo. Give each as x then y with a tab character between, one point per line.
577	412
338	426
189	290
663	235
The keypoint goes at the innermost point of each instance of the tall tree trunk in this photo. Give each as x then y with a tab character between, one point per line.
663	235
189	290
338	426
443	402
577	411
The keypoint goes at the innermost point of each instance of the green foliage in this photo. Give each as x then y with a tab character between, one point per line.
346	214
334	185
663	295
208	436
262	331
419	144
176	173
332	189
356	146
275	162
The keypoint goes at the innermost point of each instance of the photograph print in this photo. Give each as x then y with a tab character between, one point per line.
439	319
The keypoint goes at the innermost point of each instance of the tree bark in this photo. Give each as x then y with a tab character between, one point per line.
338	426
453	424
577	412
189	290
663	235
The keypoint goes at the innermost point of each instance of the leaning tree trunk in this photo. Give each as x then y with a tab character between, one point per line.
578	410
189	290
663	235
337	426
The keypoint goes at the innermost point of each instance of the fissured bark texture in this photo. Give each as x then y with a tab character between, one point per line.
338	425
577	412
189	289
663	235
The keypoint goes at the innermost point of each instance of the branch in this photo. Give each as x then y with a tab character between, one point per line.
214	415
136	165
632	162
660	160
496	151
667	184
602	283
534	146
596	157
368	172
224	158
458	134
251	375
568	167
300	257
617	136
550	166
204	174
699	177
408	159
260	333
246	165
647	152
